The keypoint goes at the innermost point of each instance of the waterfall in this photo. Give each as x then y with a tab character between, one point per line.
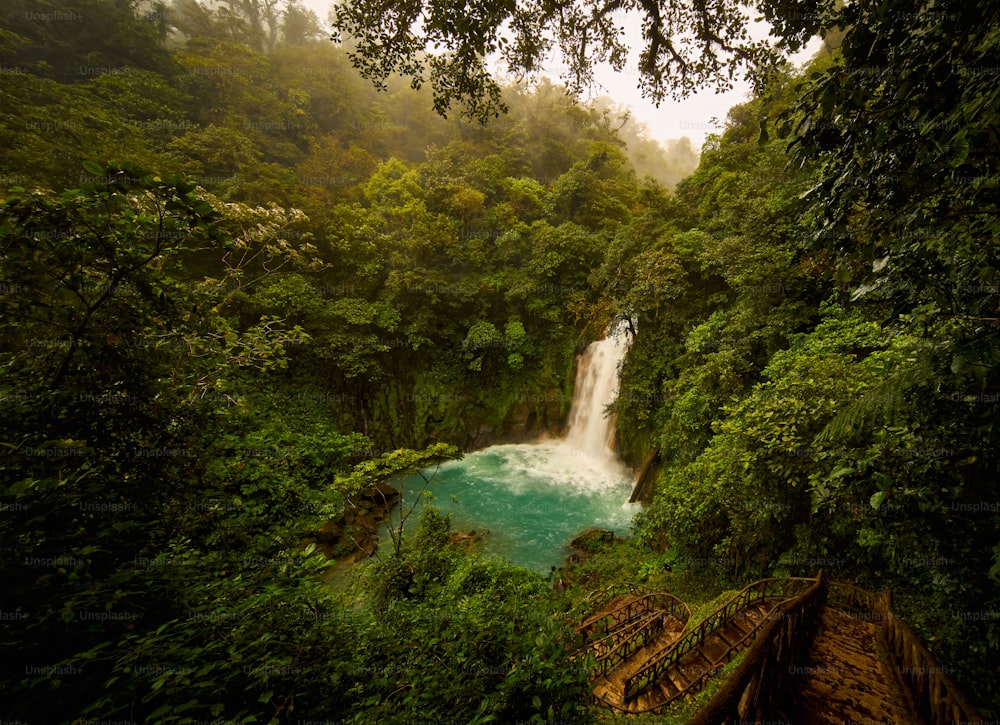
589	430
534	498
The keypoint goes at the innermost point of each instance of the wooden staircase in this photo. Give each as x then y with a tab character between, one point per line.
606	616
695	666
846	677
664	670
818	653
623	632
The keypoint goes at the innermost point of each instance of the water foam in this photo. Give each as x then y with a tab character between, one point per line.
534	497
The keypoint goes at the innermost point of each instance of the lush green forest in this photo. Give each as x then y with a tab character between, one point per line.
240	287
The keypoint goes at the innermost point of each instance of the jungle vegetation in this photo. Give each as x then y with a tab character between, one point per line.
239	286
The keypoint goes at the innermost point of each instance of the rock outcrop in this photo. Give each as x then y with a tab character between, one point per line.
355	533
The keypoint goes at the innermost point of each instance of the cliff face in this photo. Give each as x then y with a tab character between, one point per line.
525	422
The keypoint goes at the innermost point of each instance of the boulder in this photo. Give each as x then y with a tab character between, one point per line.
354	533
590	540
469	539
328	532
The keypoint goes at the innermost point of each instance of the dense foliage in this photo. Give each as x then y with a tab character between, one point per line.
287	289
815	368
238	287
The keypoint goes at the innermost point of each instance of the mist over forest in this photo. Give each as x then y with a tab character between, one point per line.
257	287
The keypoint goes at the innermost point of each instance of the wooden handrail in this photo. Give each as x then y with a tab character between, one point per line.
614	618
628	646
597	599
634	609
603	596
640	628
749	693
603	645
936	697
851	598
759	591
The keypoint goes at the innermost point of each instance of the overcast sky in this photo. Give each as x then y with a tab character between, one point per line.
692	117
695	117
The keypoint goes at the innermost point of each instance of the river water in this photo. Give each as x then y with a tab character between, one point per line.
533	498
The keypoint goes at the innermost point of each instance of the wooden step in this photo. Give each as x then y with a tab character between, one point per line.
693	671
701	659
729	637
743	626
694	668
655	696
737	635
668	688
714	649
742	638
844	678
608	689
659	644
677	679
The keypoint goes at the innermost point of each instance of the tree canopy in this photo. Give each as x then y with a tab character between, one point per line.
685	46
242	293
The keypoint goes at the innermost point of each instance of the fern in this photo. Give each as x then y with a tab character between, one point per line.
883	402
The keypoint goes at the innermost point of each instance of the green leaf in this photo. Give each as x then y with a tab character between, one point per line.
161	710
960	149
92	167
883	481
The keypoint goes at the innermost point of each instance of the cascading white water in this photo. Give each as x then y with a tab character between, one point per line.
589	429
534	498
